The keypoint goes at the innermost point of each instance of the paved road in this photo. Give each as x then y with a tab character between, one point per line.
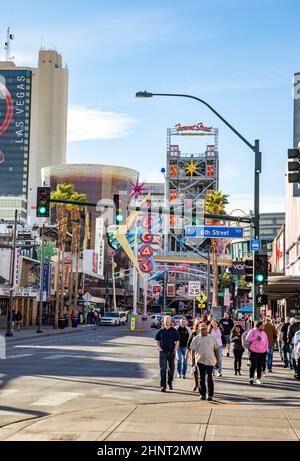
103	384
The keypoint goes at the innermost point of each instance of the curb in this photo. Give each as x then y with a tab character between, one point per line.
40	335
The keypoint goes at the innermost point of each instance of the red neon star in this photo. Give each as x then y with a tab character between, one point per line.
136	189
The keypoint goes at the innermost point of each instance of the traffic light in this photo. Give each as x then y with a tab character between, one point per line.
42	202
294	166
249	270
120	211
261	269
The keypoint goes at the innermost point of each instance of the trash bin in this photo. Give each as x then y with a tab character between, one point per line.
61	323
74	322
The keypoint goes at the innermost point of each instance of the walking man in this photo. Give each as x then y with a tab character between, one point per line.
167	343
184	334
227	324
271	332
205	354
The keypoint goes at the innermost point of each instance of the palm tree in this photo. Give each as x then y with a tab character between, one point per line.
76	227
62	192
215	203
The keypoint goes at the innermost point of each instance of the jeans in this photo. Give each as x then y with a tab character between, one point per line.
237	359
167	364
270	358
181	362
220	350
203	371
293	359
280	346
286	351
257	361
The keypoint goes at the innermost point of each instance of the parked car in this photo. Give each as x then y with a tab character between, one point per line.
156	320
176	319
110	318
123	317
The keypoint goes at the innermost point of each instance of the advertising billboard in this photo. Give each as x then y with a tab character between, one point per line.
91	263
15	96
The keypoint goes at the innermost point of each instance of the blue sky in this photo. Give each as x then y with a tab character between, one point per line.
238	55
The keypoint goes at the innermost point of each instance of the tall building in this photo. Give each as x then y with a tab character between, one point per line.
33	129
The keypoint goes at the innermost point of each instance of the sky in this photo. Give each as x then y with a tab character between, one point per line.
238	55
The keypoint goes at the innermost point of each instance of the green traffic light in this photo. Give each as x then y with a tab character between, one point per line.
119	218
259	278
42	210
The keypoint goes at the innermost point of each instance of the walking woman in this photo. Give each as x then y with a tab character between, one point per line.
258	346
238	348
215	330
195	332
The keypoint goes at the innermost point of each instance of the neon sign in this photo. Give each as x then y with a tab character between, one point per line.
196	127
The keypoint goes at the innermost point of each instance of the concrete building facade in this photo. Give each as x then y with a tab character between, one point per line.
45	131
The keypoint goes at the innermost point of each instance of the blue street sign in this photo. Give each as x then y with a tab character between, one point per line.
216	232
255	245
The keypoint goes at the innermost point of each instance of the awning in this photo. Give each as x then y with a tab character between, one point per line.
282	286
245	310
97	300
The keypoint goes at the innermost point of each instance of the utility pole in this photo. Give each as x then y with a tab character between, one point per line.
208	277
39	328
9	326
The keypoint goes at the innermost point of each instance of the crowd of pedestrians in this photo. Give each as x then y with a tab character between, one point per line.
203	348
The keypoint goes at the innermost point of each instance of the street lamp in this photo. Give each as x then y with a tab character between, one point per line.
257	165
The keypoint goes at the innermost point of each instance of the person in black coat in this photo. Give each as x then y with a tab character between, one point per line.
238	348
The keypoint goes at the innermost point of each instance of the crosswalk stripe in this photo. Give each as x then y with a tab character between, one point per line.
55	357
17	356
56	398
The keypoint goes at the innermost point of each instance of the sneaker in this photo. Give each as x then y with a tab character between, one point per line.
264	374
163	389
203	397
270	371
209	398
178	375
251	381
195	388
227	354
219	374
259	381
170	387
183	376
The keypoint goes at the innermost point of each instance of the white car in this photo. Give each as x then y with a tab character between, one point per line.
110	318
156	320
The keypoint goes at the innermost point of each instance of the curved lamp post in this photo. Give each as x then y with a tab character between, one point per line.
257	166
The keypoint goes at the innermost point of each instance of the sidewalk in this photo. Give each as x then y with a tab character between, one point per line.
30	332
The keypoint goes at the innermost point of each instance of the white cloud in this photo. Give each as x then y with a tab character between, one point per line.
86	124
268	203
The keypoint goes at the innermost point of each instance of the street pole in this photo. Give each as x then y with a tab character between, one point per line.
135	275
39	328
255	309
194	308
114	285
9	325
145	293
208	277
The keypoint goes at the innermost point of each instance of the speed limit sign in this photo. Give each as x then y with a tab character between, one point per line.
194	289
